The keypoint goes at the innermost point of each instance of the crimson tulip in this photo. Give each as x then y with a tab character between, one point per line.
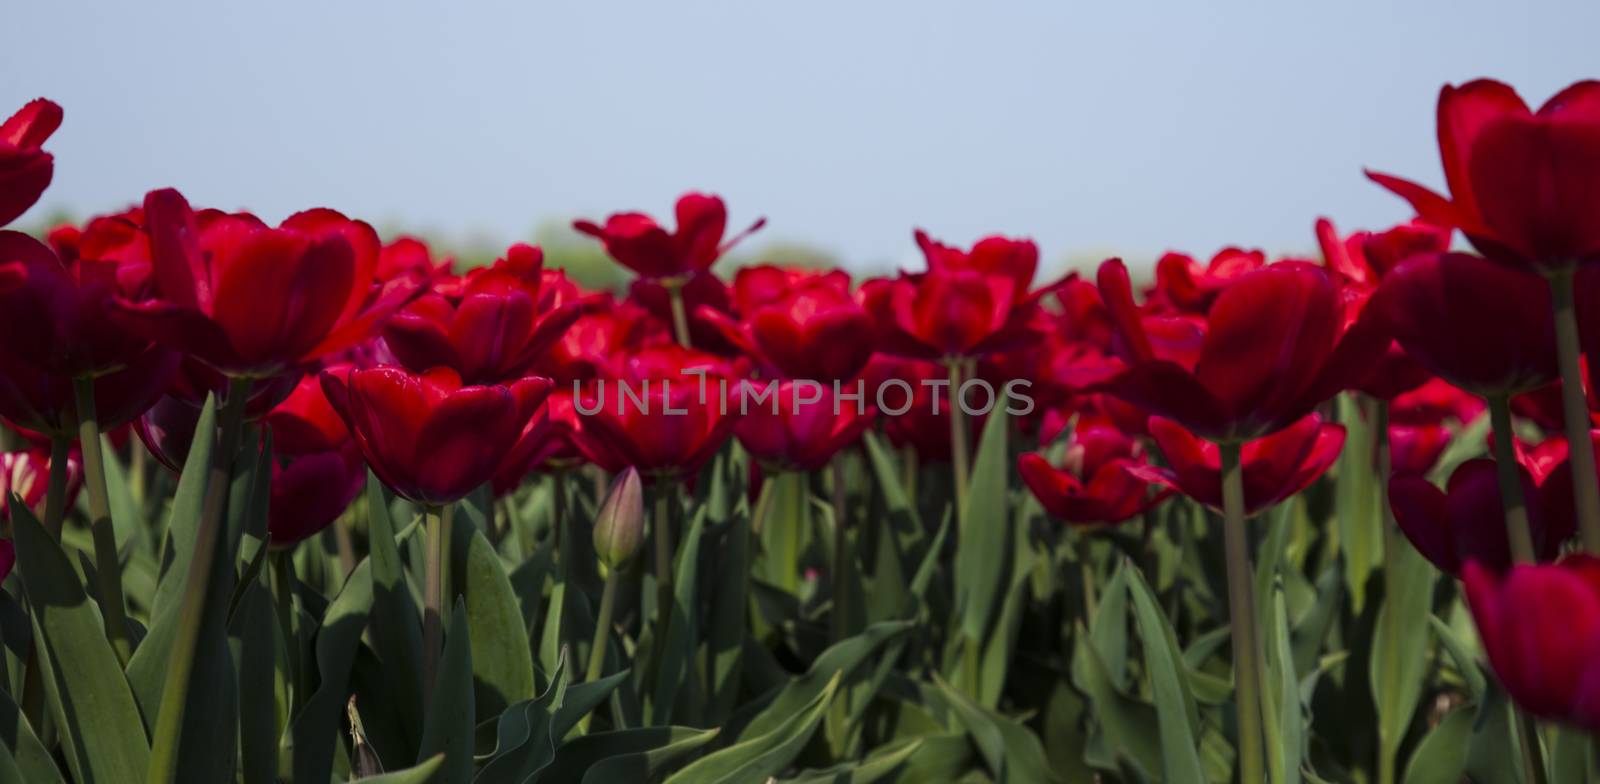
1275	466
25	170
702	292
664	410
1094	485
252	301
810	328
430	438
1540	625
602	332
506	318
1464	522
1183	285
1521	182
1274	348
547	443
26	473
637	242
799	425
1481	326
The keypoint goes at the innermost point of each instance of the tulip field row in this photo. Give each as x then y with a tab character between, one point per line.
300	502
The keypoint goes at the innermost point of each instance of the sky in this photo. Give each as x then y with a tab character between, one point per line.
1093	127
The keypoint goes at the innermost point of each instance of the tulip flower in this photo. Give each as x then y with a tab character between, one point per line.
1275	466
1274	348
506	318
317	468
1540	625
252	301
1095	485
605	330
811	327
680	306
25	170
547	444
799	425
26	473
1464	522
430	438
1184	286
665	411
637	242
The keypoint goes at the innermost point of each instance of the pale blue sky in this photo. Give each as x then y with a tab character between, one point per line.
1090	126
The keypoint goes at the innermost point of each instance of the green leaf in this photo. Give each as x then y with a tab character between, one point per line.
840	660
24	758
877	767
639	754
1398	667
255	631
426	772
125	518
183	523
784	532
1466	663
102	732
1285	719
1441	757
678	652
502	661
1177	718
1124	722
1108	630
762	755
316	728
729	608
984	557
1356	503
450	728
938	759
1012	751
396	627
524	742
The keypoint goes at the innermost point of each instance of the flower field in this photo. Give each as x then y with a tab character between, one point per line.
300	502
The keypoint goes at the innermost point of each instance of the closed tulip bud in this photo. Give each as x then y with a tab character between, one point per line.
619	528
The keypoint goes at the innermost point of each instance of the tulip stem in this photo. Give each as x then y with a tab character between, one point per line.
958	442
55	500
602	625
1242	618
1575	410
1505	460
1533	765
1387	747
663	536
175	691
106	563
841	550
680	315
433	601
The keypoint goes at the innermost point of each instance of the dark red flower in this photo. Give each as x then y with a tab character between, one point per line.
1184	286
1465	522
1362	258
547	443
428	437
26	473
1540	625
1521	182
603	332
1275	346
812	328
1094	485
800	424
656	411
639	243
251	300
305	422
702	292
25	170
1483	327
1275	466
310	491
506	318
404	256
1414	449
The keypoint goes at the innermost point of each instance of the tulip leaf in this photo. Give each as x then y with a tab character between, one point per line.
1177	719
1355	503
762	755
396	628
102	732
125	517
840	659
1466	663
985	531
426	772
502	661
449	727
1441	756
1108	630
784	531
523	740
22	757
678	653
1013	753
1284	717
1124	723
641	754
183	523
1398	667
878	767
995	665
729	608
256	634
315	728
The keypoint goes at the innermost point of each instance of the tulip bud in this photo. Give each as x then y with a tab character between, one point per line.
619	527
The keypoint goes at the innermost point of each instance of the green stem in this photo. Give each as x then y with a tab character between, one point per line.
281	582
55	500
1533	764
175	691
1087	571
106	563
432	599
1575	410
662	533
1505	458
841	551
1391	571
680	315
602	625
1242	617
958	442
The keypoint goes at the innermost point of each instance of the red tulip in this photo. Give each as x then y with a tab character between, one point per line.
26	473
651	412
701	292
252	301
1485	328
1414	449
309	492
1521	182
409	256
306	422
921	419
1540	625
1275	466
25	170
607	330
639	243
1183	286
1273	349
506	318
799	426
547	443
1465	522
1094	485
814	329
428	437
